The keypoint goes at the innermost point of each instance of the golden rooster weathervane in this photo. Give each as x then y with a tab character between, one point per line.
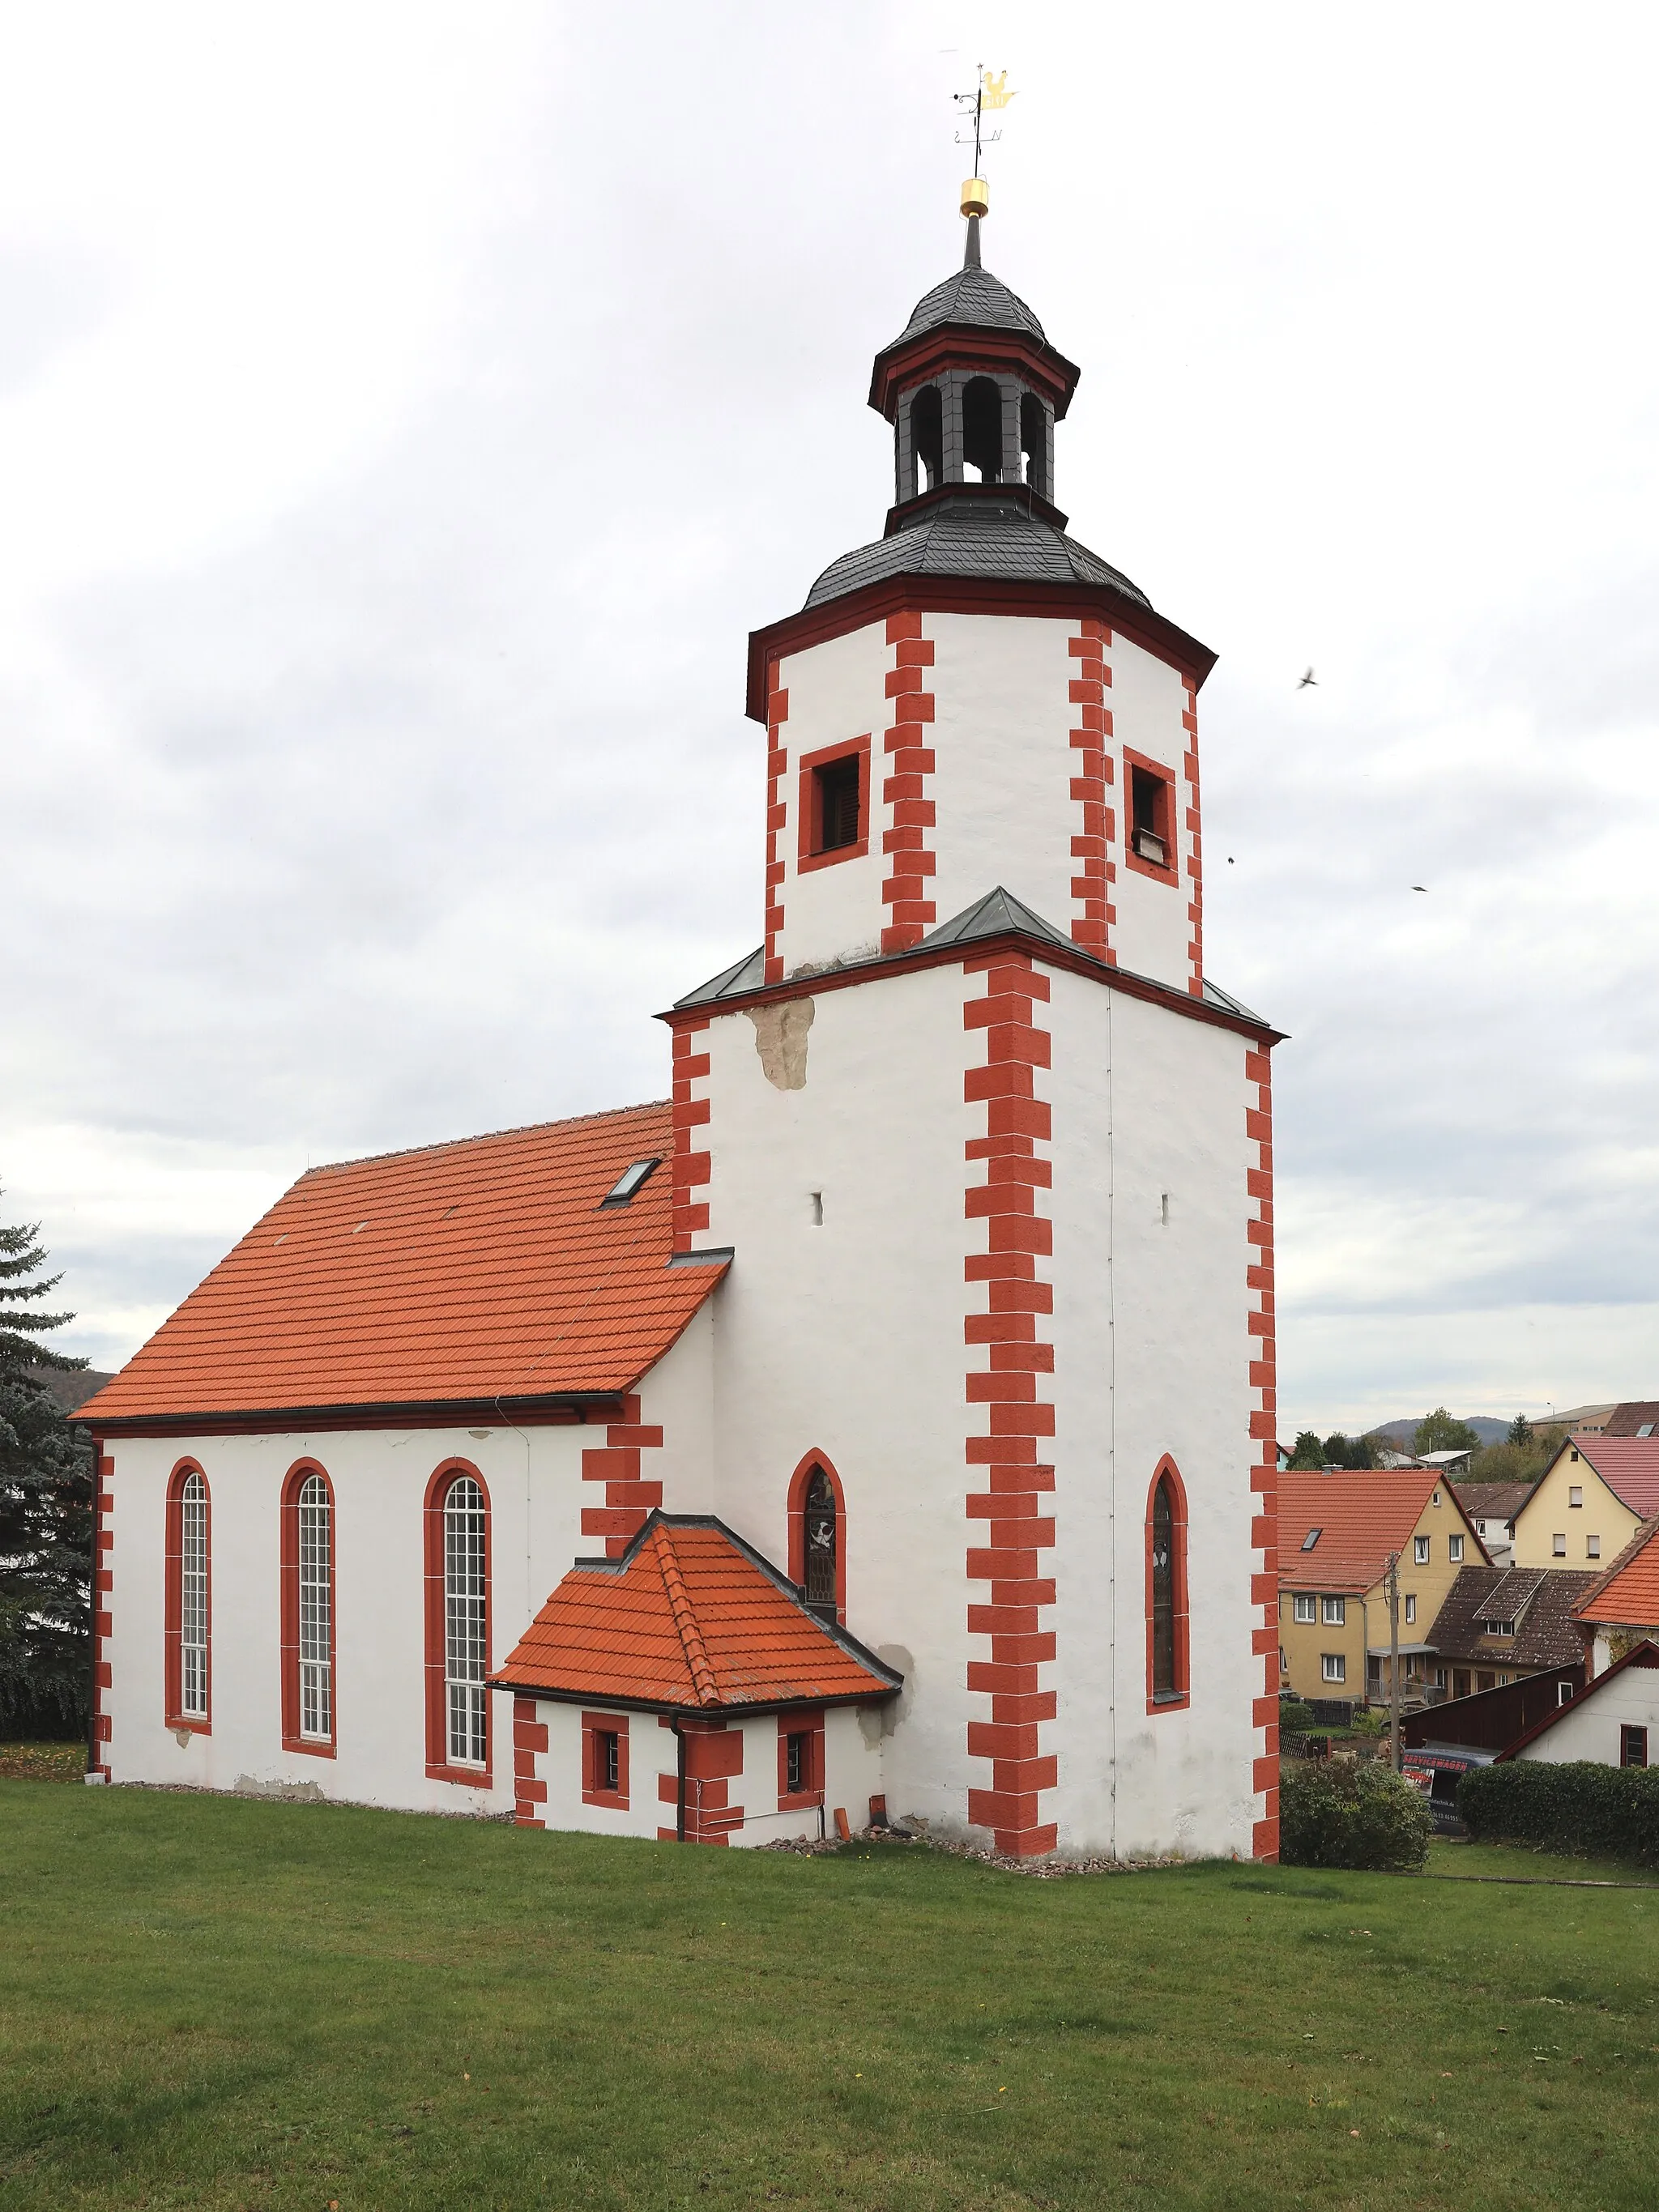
990	94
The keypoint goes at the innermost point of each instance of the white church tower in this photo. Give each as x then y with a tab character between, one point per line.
993	1156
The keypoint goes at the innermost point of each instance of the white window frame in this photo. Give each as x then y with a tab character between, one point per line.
192	1597
1575	1495
1305	1607
1333	1667
467	1619
316	1580
1454	1549
1420	1551
1558	1544
1411	1607
1334	1612
1592	1546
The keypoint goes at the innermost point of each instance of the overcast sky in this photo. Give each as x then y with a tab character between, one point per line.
405	412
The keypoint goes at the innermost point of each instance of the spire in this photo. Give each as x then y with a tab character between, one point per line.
970	252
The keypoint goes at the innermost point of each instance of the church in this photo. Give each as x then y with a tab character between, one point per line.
882	1426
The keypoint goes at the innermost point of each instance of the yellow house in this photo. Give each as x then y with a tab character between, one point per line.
1337	1526
1589	1502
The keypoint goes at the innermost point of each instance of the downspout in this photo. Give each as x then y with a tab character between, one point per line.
679	1779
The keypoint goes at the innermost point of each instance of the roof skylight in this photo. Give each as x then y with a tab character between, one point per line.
629	1184
1312	1539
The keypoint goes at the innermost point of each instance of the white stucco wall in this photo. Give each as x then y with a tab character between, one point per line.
1153	930
1588	1728
837	691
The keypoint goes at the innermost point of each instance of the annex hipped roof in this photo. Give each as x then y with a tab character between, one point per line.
1626	1595
1361	1515
1539	1601
689	1617
484	1270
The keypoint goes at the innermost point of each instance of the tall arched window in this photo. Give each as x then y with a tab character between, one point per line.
308	1533
187	1600
1166	1590
927	437
458	1626
818	1536
982	429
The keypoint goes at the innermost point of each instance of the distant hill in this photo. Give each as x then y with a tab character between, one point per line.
1401	1433
73	1389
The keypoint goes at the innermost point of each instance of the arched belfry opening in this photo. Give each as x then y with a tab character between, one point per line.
927	438
1036	435
982	430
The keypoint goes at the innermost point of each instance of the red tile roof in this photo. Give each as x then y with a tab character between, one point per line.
458	1273
1362	1515
1628	1465
1627	1594
689	1617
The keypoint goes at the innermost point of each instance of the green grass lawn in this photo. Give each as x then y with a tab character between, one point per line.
211	2002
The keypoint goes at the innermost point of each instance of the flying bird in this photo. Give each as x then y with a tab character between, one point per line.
1303	681
1419	887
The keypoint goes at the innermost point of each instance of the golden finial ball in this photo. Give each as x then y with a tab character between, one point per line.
976	197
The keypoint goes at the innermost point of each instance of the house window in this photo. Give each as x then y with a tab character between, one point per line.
835	805
1420	1549
800	1761
466	1651
186	1601
308	1576
1575	1494
1166	1590
1632	1746
1411	1610
1558	1544
1335	1612
605	1760
1564	1693
1454	1549
1306	1607
1439	1678
1333	1667
1497	1628
1151	810
1592	1548
457	1627
1460	1681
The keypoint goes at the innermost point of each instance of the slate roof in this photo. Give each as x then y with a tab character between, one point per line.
1492	1501
1628	1465
970	297
994	915
478	1270
1626	1595
1361	1515
689	1618
1539	1601
976	535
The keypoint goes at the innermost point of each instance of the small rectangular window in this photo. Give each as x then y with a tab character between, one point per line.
1575	1494
1558	1544
609	1761
1632	1746
1333	1667
1454	1549
1335	1612
1592	1548
1312	1539
1149	832
1411	1609
1564	1693
628	1183
835	803
1646	1429
797	1762
1306	1607
1420	1549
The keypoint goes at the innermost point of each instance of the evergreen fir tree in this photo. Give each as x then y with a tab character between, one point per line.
45	1512
1309	1452
1521	1430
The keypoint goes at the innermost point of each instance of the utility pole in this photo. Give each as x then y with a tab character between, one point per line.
1393	1660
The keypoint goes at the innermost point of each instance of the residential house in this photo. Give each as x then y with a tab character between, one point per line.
1622	1606
1492	1506
1584	1420
1337	1527
1637	1417
1450	1464
1613	1720
1499	1623
1588	1503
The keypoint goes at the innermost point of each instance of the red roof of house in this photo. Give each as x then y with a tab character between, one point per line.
461	1273
1628	1465
690	1616
1627	1594
1362	1515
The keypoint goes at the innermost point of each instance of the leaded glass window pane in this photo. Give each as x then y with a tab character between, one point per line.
821	1535
316	1610
466	1656
192	1598
1163	1610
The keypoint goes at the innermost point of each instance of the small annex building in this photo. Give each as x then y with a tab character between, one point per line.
1620	1608
1338	1528
886	1415
1613	1721
1588	1502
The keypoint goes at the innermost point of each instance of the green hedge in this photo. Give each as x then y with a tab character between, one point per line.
1577	1808
1350	1813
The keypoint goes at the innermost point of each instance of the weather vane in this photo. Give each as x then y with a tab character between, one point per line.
990	94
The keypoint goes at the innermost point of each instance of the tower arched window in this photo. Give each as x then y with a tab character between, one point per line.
188	1609
818	1537
307	1546
1166	1590
1034	443
927	437
981	429
458	1626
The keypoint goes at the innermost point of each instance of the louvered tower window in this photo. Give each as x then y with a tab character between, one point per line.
1164	1599
192	1598
822	1537
316	1610
465	1655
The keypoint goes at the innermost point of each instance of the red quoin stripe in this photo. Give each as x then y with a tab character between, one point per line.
1264	1423
907	841
629	1498
529	1743
777	766
1091	845
692	1163
1195	850
1015	1506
